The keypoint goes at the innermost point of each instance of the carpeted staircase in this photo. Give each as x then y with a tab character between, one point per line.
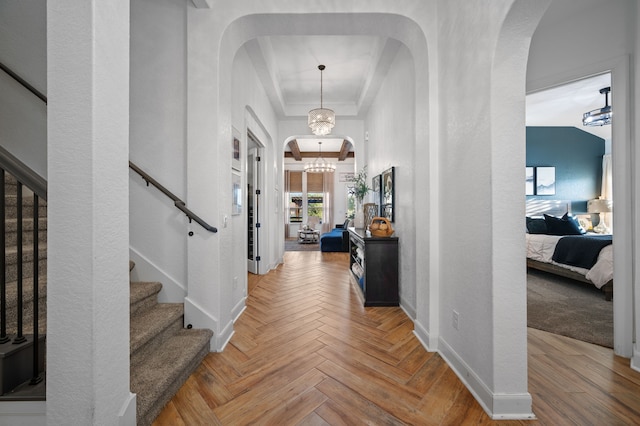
11	258
163	352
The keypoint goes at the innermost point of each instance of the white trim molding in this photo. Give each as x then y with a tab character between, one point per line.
516	406
195	315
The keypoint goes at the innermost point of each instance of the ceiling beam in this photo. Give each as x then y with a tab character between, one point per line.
295	150
344	150
288	154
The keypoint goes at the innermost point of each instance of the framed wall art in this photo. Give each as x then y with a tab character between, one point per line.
236	164
346	177
375	189
387	194
529	182
545	180
236	193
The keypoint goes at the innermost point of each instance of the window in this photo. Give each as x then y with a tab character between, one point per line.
315	195
351	205
295	197
315	205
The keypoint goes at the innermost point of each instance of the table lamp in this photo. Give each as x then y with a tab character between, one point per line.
597	206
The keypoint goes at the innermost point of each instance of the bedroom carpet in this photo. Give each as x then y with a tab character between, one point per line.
291	244
566	307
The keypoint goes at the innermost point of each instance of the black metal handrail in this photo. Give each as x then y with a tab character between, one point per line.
23	173
176	201
23	82
24	177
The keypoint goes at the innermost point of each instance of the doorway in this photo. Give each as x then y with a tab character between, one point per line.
618	80
254	182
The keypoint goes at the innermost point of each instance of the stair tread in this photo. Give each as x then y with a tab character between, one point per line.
155	377
42	245
140	290
150	322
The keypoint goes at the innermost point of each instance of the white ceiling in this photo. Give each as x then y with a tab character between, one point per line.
564	105
355	68
288	68
310	144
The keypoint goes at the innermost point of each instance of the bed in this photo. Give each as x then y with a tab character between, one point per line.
584	257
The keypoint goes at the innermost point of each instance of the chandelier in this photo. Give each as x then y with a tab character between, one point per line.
599	117
321	120
319	166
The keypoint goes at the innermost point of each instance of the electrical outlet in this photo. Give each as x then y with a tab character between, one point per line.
235	282
454	319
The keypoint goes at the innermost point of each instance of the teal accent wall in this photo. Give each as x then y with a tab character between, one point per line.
577	157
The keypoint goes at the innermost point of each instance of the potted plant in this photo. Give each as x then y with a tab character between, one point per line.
359	188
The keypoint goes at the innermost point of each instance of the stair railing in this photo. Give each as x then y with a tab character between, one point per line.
176	201
24	176
23	82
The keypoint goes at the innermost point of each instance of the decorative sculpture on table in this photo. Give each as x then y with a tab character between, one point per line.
370	211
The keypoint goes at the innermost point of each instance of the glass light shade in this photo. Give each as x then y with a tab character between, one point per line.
321	121
319	166
597	117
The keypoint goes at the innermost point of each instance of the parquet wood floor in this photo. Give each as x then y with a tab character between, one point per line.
305	352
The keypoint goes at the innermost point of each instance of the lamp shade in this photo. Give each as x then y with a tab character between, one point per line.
600	116
599	205
321	120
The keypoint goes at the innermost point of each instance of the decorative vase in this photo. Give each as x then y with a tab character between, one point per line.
358	220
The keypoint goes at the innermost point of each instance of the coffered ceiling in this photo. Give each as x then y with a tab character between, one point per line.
355	68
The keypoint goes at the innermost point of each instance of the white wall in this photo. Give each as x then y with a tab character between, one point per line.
573	36
23	48
465	157
481	147
158	230
251	110
390	124
88	210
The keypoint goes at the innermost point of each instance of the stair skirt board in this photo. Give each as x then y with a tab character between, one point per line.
145	269
197	317
16	363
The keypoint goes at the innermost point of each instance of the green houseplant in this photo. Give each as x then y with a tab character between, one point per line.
359	188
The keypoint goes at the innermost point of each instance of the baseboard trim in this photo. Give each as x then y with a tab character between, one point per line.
23	413
145	270
431	345
127	416
635	359
515	406
238	309
408	309
195	315
223	338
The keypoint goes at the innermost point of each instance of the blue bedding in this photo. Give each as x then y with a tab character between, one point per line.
580	250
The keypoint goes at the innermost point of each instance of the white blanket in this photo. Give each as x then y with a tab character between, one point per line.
540	247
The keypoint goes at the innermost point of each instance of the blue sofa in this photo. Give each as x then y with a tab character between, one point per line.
337	239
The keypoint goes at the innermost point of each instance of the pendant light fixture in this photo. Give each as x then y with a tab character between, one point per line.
319	166
599	117
321	120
